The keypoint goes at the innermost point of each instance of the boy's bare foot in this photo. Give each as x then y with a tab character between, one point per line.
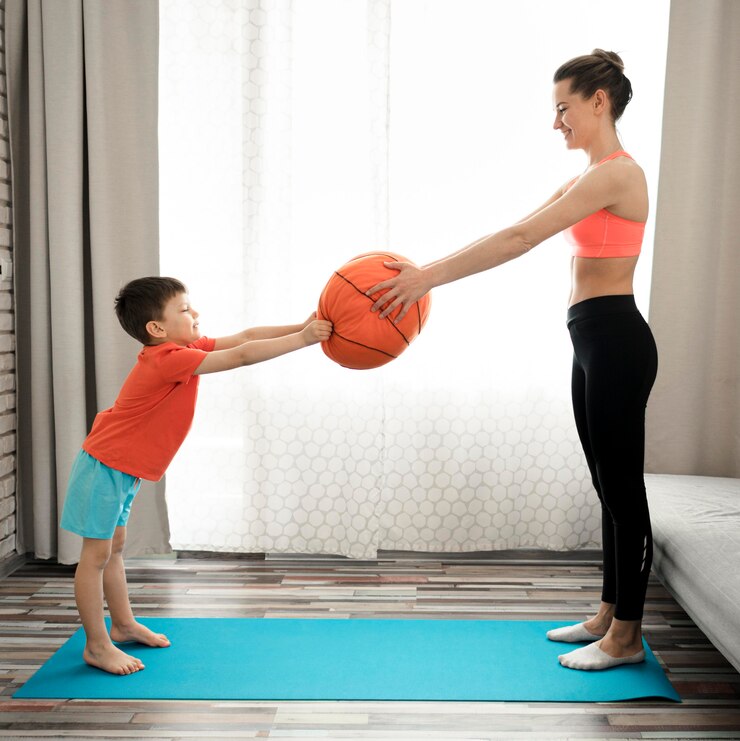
111	659
138	633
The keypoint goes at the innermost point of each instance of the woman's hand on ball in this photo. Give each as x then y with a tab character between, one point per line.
403	290
319	330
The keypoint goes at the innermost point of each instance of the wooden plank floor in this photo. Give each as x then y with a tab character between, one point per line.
37	614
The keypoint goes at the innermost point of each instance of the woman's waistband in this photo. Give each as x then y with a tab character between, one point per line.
602	306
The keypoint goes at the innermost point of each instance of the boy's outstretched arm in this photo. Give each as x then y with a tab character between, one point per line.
259	350
260	333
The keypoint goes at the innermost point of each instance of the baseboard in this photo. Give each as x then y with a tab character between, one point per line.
521	555
12	563
219	556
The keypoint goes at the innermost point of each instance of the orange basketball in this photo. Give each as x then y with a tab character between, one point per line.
360	339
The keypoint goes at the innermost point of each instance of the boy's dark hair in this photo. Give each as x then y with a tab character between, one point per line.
143	300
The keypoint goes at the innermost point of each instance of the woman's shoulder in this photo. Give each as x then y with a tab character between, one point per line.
624	184
618	171
623	165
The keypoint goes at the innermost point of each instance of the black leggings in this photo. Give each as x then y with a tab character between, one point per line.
614	366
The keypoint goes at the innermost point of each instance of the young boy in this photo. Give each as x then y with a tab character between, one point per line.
138	437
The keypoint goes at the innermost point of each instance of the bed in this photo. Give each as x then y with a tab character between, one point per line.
696	533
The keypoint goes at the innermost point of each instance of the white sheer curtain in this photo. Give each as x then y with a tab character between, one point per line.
294	135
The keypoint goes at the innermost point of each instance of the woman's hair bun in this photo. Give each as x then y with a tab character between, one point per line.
610	56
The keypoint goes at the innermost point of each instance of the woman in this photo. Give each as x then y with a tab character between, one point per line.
603	213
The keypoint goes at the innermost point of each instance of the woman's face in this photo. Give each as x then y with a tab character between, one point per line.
574	115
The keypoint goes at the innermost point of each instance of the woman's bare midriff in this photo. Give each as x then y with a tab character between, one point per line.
601	276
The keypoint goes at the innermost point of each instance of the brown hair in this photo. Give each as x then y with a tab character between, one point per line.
599	70
143	300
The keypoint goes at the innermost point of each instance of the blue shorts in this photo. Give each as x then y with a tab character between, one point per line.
99	498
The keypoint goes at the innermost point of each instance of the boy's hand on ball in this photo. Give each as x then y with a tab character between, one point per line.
308	321
403	290
319	330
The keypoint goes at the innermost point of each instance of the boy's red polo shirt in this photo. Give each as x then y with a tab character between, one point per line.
143	430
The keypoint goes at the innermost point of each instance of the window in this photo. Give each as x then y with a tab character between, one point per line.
296	135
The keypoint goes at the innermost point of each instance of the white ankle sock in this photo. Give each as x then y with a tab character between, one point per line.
592	658
572	634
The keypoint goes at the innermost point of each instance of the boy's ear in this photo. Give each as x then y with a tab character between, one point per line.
156	330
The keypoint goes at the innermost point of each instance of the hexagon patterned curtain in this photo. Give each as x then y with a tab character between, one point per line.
295	135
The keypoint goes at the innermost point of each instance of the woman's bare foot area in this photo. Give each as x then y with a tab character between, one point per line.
136	632
598	626
111	659
620	648
600	623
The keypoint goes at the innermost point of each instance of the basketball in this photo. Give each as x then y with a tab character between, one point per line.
360	339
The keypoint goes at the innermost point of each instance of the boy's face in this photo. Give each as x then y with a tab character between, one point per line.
179	322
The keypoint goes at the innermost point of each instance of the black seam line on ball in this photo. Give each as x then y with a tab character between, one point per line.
367	347
362	293
392	258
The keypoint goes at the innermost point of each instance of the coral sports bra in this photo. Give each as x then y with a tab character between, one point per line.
604	234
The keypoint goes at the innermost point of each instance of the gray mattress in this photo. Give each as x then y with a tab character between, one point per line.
696	533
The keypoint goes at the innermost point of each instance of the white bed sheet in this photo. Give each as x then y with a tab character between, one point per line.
696	533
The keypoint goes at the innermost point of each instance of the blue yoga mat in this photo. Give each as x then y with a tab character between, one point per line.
304	659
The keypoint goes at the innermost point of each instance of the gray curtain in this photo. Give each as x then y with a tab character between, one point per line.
82	99
693	424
